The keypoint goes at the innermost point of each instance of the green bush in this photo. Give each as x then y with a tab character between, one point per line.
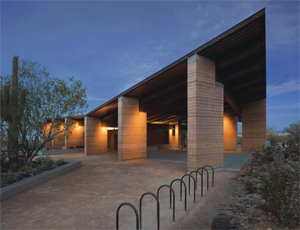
46	163
293	139
60	162
9	178
281	193
28	170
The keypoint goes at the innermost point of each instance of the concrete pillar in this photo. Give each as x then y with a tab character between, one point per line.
254	133
132	130
230	131
75	136
205	114
95	136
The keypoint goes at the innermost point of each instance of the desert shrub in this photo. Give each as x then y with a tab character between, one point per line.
249	186
281	193
46	163
241	208
221	221
60	162
9	178
28	170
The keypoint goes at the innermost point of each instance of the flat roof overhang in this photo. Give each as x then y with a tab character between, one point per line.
240	55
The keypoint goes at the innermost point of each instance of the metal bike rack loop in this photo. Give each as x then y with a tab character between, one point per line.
135	211
190	176
191	173
202	168
181	182
157	207
213	174
171	190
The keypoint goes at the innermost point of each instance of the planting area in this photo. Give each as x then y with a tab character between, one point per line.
26	170
265	194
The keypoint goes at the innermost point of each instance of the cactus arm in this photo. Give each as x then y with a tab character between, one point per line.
5	108
14	87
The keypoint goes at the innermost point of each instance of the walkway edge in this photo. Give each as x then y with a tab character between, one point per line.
24	184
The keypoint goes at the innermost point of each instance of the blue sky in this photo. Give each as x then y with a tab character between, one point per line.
110	46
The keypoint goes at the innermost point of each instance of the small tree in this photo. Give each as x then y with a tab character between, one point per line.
48	98
271	135
293	140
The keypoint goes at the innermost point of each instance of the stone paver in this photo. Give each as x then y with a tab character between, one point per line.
87	197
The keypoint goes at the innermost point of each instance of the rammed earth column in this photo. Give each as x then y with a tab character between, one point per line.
205	114
132	130
254	133
95	136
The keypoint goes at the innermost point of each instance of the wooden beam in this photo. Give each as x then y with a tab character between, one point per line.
252	68
162	109
230	98
160	92
109	115
240	53
232	102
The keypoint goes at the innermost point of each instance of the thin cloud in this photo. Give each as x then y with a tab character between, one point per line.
93	98
286	87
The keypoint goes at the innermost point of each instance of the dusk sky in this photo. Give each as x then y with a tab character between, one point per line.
111	46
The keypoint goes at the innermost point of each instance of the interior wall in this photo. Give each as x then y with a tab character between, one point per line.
76	137
157	135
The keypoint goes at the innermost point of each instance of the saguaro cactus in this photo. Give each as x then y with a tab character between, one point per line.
12	109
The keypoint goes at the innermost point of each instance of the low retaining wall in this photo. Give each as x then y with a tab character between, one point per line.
24	184
61	151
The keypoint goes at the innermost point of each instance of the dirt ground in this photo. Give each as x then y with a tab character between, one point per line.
87	197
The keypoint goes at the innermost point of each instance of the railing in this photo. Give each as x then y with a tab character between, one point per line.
190	176
172	194
201	174
171	190
181	182
202	168
157	208
135	211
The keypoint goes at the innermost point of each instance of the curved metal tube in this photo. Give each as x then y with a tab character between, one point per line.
190	176
213	174
157	209
191	173
171	190
135	211
181	182
202	168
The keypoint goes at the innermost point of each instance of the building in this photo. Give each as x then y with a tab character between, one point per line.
193	103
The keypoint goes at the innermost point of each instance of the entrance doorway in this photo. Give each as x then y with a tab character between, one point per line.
115	141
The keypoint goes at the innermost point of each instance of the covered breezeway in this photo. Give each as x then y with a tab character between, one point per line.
206	91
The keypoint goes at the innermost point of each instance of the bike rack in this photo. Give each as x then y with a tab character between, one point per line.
171	190
213	174
134	209
202	168
181	182
191	173
190	176
157	211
